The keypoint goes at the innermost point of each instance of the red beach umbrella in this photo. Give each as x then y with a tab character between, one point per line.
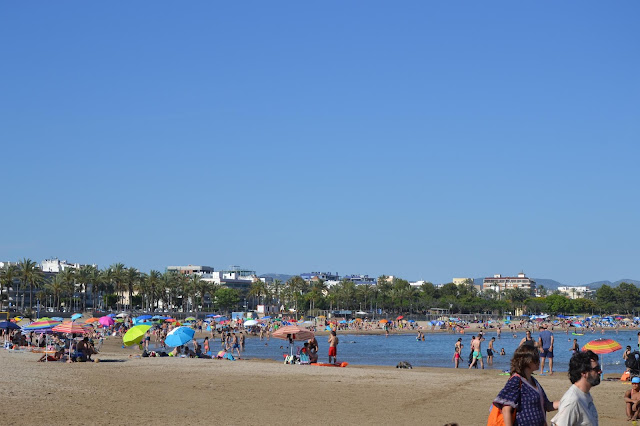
400	317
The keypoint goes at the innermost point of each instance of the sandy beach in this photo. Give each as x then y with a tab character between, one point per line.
128	390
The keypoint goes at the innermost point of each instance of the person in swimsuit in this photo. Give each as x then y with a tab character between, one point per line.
477	352
527	338
575	348
490	351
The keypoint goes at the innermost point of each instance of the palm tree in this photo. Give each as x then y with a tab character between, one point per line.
131	279
201	288
258	289
85	273
8	274
116	276
56	287
30	275
152	283
69	279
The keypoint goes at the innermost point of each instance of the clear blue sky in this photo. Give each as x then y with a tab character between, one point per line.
422	139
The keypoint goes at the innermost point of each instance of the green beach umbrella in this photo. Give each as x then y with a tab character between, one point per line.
190	319
135	335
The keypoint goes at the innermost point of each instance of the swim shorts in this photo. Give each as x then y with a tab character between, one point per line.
456	355
489	352
546	353
477	355
333	351
236	346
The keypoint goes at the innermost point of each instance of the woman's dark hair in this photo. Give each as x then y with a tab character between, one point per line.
580	363
522	357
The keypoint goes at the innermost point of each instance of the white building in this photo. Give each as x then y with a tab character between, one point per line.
191	269
461	281
499	283
56	265
575	292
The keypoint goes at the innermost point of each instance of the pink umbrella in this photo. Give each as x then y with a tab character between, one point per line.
106	321
291	333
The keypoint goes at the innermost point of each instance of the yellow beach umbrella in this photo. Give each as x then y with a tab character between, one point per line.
135	335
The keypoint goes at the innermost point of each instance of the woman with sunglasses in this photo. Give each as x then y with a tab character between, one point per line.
522	393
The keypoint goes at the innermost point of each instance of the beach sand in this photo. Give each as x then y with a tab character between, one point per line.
122	390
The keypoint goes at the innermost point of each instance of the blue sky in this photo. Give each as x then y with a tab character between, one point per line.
426	140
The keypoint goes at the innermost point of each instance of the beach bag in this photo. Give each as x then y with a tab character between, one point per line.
497	419
495	414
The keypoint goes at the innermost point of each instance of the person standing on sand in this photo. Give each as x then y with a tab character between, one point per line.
576	406
333	347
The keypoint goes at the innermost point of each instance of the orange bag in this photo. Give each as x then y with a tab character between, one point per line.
497	419
495	414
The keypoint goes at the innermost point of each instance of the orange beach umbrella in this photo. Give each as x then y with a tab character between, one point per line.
602	346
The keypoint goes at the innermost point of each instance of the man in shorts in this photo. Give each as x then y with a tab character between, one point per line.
477	352
545	343
333	347
490	351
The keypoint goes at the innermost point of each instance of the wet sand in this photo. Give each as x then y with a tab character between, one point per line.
128	390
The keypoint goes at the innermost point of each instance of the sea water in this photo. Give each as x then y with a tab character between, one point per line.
438	348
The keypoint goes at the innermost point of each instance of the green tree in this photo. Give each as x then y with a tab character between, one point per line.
227	298
8	274
30	275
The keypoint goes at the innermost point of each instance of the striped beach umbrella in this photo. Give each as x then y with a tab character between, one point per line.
71	327
602	346
40	325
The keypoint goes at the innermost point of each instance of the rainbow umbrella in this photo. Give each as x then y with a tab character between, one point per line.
40	325
602	346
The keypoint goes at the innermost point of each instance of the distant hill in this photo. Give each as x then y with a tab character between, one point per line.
282	277
598	284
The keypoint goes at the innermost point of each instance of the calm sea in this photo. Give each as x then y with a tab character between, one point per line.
437	349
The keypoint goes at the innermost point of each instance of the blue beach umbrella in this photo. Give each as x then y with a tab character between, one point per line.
57	319
179	336
8	325
144	317
75	316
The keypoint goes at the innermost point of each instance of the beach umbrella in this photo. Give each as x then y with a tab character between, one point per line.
602	346
383	321
90	320
291	333
135	334
179	336
400	317
121	315
37	325
268	317
250	323
17	319
189	319
112	315
57	319
75	316
8	325
70	328
106	321
144	317
170	320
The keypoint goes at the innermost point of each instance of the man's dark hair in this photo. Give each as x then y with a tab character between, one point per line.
581	363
